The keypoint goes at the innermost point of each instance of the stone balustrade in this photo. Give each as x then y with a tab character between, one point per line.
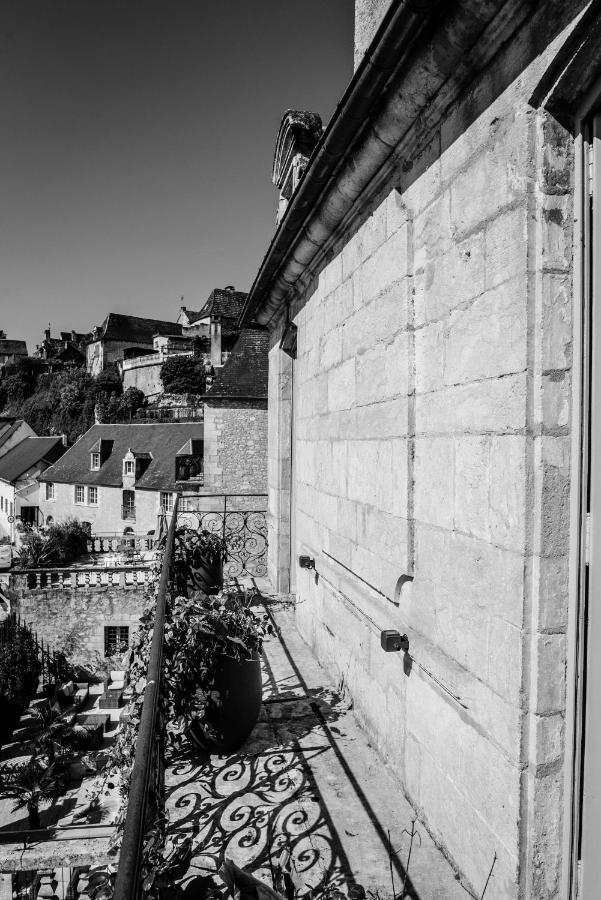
82	578
110	543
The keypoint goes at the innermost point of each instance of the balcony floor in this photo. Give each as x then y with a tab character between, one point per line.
307	778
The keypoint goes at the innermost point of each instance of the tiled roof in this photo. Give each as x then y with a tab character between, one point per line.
161	440
222	302
8	426
29	452
119	327
12	348
244	374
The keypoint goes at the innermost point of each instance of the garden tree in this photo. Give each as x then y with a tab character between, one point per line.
120	409
30	785
64	402
19	380
20	668
109	382
58	731
183	375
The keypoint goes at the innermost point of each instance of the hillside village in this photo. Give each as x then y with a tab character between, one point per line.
171	382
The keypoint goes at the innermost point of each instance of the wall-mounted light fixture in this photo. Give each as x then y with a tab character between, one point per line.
288	342
306	562
392	641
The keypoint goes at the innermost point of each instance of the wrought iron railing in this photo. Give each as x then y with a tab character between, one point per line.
147	768
51	663
240	519
243	526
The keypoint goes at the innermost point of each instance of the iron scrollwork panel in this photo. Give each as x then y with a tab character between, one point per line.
245	534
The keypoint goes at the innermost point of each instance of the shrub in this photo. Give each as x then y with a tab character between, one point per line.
57	545
183	375
19	668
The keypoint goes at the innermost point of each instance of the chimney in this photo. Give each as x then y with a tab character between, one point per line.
47	334
64	439
74	337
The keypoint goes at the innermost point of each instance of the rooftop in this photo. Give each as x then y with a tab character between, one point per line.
119	327
28	453
225	303
12	348
162	441
244	374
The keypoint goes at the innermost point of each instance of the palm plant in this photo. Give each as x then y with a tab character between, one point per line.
58	731
30	785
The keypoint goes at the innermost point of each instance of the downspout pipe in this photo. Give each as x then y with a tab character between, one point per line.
380	105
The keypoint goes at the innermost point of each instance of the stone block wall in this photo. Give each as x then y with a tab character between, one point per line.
431	456
74	619
368	15
145	375
235	447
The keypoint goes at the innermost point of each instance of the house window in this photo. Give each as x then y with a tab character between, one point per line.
79	493
95	462
49	490
93	496
2	503
129	467
115	636
166	501
11	508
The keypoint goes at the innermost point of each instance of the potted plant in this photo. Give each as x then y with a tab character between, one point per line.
30	785
198	558
212	671
58	731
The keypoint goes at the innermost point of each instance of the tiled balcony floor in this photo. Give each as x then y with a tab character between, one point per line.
307	778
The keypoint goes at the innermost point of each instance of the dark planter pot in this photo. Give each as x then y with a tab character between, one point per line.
240	687
207	574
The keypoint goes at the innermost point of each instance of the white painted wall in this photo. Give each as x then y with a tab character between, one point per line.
106	515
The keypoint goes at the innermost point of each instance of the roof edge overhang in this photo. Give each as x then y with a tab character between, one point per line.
397	80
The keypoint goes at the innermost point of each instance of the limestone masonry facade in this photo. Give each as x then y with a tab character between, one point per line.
424	444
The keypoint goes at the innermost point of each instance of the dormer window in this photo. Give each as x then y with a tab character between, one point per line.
94	461
129	467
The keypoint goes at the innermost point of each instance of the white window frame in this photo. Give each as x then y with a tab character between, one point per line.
80	487
95	461
129	467
90	501
50	495
166	501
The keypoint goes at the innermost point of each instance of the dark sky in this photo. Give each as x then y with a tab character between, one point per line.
136	146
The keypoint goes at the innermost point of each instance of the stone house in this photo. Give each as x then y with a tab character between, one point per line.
430	294
68	349
235	420
216	324
119	478
20	468
121	337
11	350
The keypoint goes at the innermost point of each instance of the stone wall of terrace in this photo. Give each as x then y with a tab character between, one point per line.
72	608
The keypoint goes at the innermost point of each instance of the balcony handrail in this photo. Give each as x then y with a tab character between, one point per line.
127	883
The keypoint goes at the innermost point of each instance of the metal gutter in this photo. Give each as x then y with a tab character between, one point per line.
385	97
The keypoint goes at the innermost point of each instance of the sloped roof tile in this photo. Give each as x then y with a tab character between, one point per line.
161	440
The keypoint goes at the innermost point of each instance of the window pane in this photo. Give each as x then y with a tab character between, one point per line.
114	638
